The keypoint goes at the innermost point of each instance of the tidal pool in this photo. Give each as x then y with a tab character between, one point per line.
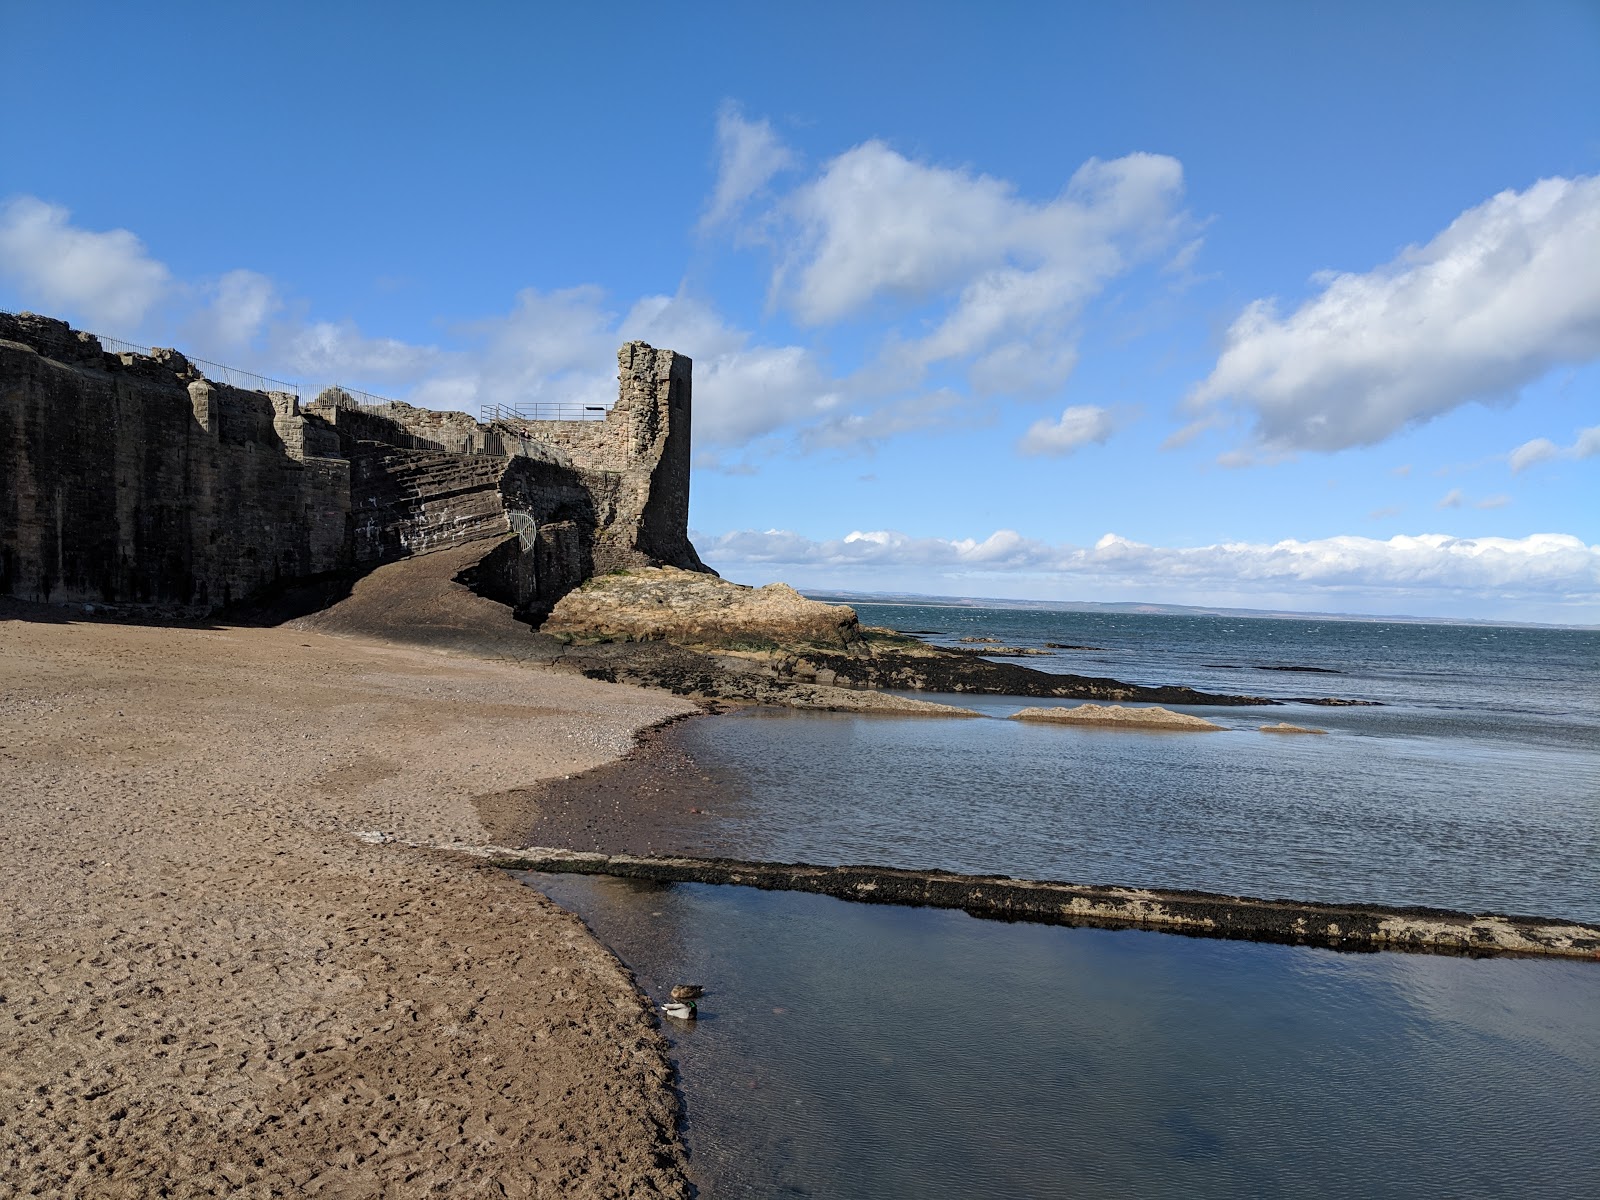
849	1050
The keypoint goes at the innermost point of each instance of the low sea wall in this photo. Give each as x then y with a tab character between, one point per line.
1201	914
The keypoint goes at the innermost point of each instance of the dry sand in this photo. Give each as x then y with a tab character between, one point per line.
211	987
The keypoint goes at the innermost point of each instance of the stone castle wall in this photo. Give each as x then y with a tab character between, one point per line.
129	479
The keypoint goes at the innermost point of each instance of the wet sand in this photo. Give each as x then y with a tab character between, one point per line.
656	799
211	986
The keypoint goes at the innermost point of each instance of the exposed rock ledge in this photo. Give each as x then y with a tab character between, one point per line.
1115	716
432	600
702	636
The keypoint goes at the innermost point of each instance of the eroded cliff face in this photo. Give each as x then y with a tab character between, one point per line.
131	480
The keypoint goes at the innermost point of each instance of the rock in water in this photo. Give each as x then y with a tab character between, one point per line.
1285	727
1115	716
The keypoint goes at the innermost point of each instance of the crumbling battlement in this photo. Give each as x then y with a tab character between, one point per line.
644	443
131	479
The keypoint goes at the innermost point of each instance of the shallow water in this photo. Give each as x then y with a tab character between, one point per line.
1346	817
854	1050
1476	785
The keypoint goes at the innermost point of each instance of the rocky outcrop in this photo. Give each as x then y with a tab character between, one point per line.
1285	727
702	612
1115	716
724	641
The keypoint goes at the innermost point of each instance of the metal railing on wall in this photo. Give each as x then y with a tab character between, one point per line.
355	398
250	381
237	377
553	410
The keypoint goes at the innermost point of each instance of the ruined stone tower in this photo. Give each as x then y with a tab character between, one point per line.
644	442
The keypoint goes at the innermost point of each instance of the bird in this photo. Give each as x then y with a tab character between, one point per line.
688	991
682	1012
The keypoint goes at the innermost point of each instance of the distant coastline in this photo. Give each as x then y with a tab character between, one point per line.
917	600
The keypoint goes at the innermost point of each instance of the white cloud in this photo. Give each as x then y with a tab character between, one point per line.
1079	425
742	390
1585	445
106	279
1454	498
940	408
1509	290
337	351
241	302
999	278
1548	567
749	154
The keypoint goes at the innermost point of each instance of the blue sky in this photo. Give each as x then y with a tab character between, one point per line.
1275	305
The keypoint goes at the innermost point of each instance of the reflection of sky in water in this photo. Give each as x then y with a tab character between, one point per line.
1345	817
854	1050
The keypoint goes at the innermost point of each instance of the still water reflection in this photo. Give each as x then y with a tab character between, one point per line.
862	1051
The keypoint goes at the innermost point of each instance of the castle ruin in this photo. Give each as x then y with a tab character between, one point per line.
132	480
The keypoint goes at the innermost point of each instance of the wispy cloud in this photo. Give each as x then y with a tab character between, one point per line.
1540	450
1509	290
749	155
1079	425
998	279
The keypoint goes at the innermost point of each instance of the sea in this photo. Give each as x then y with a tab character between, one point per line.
848	1050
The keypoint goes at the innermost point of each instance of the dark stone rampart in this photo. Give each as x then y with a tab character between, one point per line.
132	480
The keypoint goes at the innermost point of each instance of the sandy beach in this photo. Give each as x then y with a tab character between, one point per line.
212	986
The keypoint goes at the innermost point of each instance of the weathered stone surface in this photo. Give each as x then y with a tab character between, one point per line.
1115	716
132	480
1197	914
126	479
643	446
397	423
697	610
1285	727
